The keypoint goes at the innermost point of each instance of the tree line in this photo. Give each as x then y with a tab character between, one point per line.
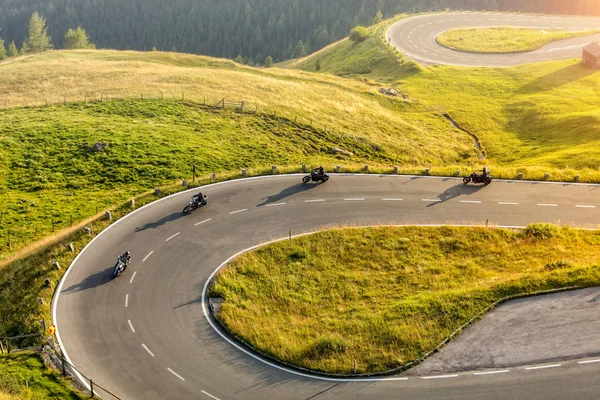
249	30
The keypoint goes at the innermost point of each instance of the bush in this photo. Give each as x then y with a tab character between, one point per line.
359	34
557	265
541	231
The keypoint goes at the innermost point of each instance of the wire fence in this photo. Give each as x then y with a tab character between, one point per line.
46	347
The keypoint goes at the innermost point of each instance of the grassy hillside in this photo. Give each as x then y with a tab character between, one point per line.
16	368
386	296
503	40
543	116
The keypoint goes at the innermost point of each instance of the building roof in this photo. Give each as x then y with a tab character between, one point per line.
593	49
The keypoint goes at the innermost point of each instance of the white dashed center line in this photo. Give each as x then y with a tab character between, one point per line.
439	377
210	395
172	237
470	201
238	211
147	349
543	367
126	300
491	372
130	325
582	206
314	201
589	362
149	254
203	222
432	200
547	205
275	205
176	374
132	276
392	199
354	199
507	203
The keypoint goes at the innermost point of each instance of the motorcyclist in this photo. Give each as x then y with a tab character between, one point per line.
319	171
125	258
484	172
199	198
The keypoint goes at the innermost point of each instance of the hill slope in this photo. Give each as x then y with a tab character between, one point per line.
538	115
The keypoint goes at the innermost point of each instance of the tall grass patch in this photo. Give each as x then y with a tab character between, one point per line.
385	296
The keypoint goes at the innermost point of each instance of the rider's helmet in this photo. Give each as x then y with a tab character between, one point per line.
127	254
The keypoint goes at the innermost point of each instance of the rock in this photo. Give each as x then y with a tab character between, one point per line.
108	215
336	150
389	92
87	230
47	282
40	300
55	265
71	247
100	146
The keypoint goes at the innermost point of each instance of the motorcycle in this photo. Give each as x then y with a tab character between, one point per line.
120	267
315	177
194	204
478	178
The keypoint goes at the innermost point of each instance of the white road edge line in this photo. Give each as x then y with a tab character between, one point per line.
439	377
210	395
132	276
147	349
547	205
276	205
582	206
354	199
502	371
238	211
589	361
127	300
471	201
543	367
149	254
203	222
172	237
176	374
314	201
131	325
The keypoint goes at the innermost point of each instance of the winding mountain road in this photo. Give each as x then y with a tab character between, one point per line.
415	37
145	335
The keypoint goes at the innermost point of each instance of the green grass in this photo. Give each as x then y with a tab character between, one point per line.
48	172
385	296
16	368
502	39
535	119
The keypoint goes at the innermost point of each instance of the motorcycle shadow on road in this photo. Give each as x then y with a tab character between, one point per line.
287	192
164	220
456	191
93	281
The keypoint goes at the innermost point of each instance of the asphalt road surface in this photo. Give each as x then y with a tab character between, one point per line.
145	335
415	37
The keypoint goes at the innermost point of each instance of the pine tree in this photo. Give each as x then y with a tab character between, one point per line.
3	54
154	49
318	65
12	49
377	18
269	62
38	40
239	59
299	50
77	39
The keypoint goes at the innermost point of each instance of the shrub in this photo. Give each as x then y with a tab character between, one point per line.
557	265
325	347
541	231
359	34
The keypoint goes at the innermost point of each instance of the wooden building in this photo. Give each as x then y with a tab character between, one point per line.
591	55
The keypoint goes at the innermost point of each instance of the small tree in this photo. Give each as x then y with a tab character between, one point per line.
269	62
318	65
38	40
77	39
3	54
154	49
299	50
12	49
239	59
377	18
359	34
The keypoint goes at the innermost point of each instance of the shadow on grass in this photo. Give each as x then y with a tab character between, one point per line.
164	220
456	191
287	192
558	78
